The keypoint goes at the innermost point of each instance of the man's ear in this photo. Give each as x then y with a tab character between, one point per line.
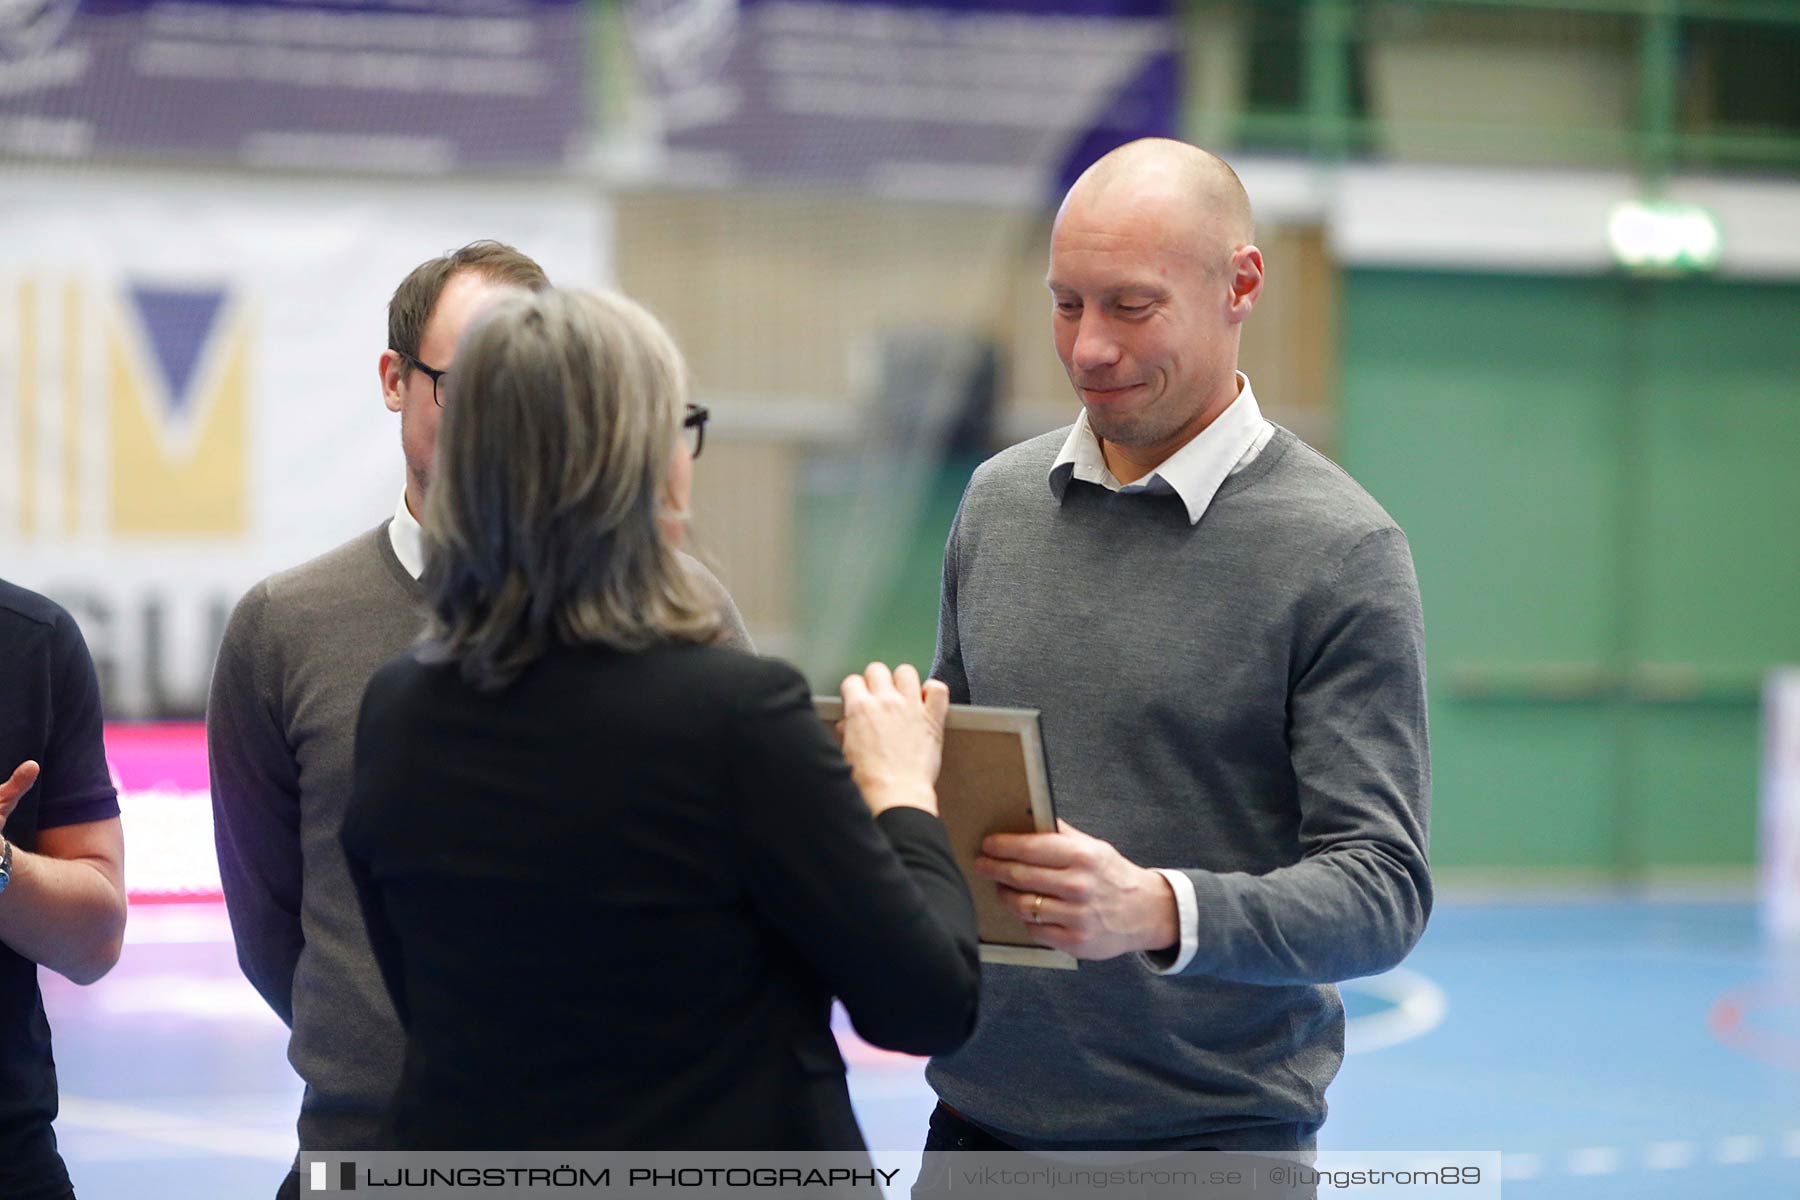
1246	280
392	369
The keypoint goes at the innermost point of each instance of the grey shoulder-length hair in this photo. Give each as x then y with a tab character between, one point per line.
553	464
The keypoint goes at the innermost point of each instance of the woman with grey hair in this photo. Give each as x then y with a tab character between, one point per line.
614	873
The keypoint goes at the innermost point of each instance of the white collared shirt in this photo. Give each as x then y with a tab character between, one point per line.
1194	473
408	538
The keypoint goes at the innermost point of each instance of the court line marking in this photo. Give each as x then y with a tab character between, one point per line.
1728	1023
1595	1160
198	924
172	1129
1741	1149
1514	1167
222	999
1734	1150
1419	1006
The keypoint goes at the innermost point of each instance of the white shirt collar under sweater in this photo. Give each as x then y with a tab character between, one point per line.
1194	472
408	537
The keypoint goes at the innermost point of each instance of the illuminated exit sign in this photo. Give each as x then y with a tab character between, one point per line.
1658	236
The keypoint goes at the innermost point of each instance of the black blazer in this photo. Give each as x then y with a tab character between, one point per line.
612	904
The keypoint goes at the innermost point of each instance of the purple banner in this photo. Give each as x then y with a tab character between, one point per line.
983	99
403	85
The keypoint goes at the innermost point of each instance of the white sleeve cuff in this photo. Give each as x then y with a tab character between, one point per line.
1187	916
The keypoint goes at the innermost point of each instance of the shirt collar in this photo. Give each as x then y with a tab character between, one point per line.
408	537
1193	472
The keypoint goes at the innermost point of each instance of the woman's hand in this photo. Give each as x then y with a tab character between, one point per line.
894	736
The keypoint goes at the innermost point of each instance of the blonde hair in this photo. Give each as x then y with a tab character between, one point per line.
553	460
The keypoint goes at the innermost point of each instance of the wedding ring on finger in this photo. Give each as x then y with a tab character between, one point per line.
1037	910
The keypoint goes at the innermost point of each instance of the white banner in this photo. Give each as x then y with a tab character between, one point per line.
189	396
1781	804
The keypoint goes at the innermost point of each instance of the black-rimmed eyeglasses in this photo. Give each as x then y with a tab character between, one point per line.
432	373
693	427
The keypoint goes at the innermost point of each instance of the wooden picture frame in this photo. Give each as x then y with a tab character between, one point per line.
994	780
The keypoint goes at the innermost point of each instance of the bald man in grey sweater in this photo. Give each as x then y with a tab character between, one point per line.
1223	633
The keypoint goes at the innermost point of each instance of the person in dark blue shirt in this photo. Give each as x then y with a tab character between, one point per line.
62	863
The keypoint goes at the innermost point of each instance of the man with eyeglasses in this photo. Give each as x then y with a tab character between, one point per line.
281	720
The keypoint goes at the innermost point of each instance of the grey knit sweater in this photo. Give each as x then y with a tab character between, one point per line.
1242	699
280	730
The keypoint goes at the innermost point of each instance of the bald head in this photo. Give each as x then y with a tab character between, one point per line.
1193	199
1152	275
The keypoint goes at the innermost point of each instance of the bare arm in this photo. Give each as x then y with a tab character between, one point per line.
64	906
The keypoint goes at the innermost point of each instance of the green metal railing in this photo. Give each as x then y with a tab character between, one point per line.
1328	119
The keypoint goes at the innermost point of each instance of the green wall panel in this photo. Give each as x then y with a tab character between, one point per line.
1521	786
1718	547
1480	412
1721	404
1600	479
1694	783
1483	425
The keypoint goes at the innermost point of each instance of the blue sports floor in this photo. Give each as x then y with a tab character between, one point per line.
1608	1047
